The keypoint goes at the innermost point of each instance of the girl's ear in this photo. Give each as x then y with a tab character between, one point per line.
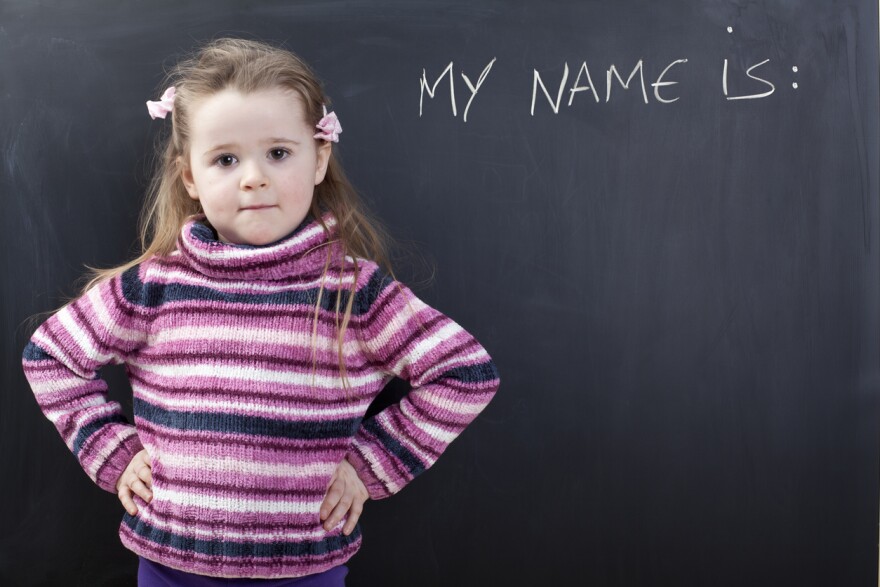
323	160
187	177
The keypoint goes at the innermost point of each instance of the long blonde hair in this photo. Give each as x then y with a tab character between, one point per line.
248	66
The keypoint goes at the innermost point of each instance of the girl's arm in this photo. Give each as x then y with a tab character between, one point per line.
60	362
452	378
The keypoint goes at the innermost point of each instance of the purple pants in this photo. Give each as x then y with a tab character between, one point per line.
152	574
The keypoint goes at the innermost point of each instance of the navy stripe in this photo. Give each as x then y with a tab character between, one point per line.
93	427
473	373
368	294
412	463
152	295
240	424
203	233
228	548
33	352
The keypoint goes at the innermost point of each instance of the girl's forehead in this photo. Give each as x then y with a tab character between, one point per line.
230	99
232	112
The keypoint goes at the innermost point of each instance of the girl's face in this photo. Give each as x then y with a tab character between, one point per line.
253	163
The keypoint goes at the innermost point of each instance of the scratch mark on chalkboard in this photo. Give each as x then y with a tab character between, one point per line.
62	45
849	33
11	150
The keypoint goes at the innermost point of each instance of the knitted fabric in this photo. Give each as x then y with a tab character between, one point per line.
241	409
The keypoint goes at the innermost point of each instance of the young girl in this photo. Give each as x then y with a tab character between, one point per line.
256	328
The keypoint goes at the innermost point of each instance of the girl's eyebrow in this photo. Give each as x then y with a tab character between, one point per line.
271	140
281	140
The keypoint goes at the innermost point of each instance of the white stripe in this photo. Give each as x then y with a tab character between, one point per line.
376	467
453	362
65	383
444	436
426	345
405	439
398	322
214	404
81	341
290	339
88	402
192	373
224	464
104	317
103	408
191	277
207	502
461	404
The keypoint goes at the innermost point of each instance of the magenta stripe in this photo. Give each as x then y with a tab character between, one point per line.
307	486
64	399
393	352
187	312
281	493
259	355
288	394
444	418
415	436
400	471
161	270
257	522
201	438
299	395
131	445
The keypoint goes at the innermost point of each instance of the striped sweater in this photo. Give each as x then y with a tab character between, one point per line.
241	405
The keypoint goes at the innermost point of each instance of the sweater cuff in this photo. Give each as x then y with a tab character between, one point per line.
364	469
120	456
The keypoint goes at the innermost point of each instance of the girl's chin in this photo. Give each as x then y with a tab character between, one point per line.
254	237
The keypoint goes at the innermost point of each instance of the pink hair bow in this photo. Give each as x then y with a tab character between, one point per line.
163	106
329	126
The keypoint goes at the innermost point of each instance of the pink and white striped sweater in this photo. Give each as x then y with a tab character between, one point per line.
243	423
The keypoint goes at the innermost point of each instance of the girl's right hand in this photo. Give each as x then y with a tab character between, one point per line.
137	478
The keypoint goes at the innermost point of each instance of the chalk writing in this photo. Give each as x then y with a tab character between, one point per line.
547	93
423	83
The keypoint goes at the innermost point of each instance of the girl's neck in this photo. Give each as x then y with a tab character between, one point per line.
301	253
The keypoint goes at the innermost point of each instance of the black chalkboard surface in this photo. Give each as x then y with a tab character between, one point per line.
660	218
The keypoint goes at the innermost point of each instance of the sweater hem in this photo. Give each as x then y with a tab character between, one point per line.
291	570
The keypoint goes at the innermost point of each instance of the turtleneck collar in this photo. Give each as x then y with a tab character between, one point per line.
302	252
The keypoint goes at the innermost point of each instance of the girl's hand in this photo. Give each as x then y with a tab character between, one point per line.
137	478
346	493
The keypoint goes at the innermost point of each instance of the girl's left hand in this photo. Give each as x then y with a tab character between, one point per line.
346	493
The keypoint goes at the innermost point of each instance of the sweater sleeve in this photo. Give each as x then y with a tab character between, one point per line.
61	360
451	375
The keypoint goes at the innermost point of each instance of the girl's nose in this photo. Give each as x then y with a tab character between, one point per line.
253	177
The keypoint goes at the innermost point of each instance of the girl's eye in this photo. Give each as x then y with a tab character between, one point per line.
278	154
225	160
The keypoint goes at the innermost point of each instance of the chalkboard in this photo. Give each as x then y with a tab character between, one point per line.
660	218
